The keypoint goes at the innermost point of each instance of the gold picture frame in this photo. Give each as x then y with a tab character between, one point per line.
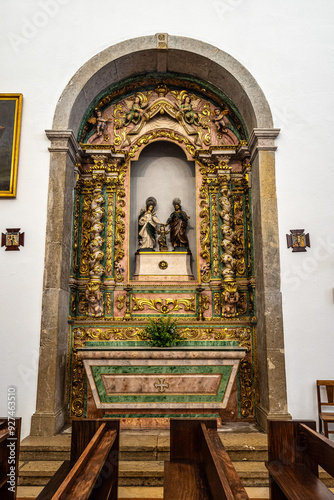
10	125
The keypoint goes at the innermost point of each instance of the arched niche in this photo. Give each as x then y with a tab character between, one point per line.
163	171
159	53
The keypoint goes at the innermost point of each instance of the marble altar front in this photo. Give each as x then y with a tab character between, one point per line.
169	382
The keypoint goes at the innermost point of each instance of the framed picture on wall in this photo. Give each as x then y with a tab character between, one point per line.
10	122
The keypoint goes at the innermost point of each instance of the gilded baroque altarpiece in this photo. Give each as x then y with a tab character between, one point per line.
107	305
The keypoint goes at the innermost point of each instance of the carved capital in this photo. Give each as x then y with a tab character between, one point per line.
63	141
262	139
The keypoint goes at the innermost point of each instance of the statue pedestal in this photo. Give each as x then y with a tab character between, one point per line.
163	266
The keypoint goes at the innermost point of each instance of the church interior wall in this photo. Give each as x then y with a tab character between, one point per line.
45	42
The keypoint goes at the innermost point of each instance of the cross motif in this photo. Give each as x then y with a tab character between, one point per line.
161	385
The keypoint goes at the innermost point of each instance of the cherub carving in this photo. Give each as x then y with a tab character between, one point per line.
230	298
94	300
220	119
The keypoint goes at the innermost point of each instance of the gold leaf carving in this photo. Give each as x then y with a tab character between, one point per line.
120	302
205	232
164	306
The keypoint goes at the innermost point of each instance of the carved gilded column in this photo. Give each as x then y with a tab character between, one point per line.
230	294
96	255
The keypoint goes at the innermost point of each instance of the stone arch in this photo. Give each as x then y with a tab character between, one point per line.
159	53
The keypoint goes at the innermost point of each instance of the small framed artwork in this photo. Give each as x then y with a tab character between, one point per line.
10	123
298	240
12	239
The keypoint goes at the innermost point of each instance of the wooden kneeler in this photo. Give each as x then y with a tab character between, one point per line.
199	467
92	471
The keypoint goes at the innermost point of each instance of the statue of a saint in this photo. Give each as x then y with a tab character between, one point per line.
178	222
147	224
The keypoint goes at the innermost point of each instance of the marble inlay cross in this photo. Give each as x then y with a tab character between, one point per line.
161	385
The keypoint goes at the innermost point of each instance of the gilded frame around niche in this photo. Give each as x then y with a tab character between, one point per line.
10	124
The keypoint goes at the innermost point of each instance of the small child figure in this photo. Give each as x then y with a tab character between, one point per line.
101	123
218	119
162	238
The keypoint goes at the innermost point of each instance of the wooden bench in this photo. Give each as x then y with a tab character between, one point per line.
295	450
199	467
10	430
92	471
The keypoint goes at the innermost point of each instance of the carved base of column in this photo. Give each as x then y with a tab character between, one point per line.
48	424
263	414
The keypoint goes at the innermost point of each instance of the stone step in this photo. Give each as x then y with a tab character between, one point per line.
145	445
137	492
46	448
146	473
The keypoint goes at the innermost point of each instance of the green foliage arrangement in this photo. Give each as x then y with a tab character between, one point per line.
162	333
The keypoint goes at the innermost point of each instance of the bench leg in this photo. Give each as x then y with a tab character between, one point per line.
326	429
275	493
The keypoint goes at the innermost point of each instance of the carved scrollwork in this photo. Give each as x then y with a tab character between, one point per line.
80	335
85	238
75	265
119	234
246	388
205	232
164	306
240	265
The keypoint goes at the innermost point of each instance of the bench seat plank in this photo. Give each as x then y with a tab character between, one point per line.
297	482
185	481
225	470
83	475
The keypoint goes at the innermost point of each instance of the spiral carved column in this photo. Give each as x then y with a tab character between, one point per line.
93	289
230	294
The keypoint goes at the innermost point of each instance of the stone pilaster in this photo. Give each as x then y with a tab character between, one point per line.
50	413
270	339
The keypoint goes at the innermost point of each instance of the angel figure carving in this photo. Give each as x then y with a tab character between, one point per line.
136	112
187	112
220	120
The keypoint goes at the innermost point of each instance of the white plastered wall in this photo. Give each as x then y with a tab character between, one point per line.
287	46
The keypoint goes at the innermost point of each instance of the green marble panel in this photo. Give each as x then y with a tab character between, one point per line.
157	397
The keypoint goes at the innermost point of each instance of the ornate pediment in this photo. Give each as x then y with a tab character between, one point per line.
122	119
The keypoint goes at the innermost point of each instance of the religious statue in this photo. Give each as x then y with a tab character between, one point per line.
178	222
136	112
147	225
187	113
162	239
